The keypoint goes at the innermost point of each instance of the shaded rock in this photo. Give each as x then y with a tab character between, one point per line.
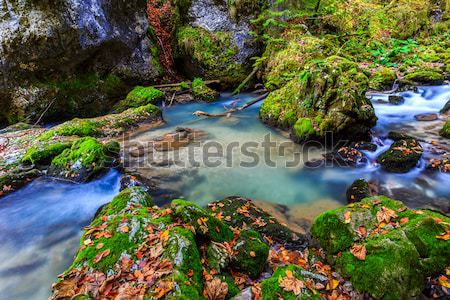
396	100
86	158
358	191
250	253
79	53
15	179
426	117
446	108
398	256
365	146
237	211
395	136
402	156
16	127
346	157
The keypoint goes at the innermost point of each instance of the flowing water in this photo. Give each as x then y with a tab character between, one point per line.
41	223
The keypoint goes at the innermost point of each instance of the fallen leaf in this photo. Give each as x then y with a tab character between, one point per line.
101	255
125	229
292	284
99	246
347	218
163	288
252	253
362	231
333	284
443	280
216	289
358	251
444	236
404	220
385	215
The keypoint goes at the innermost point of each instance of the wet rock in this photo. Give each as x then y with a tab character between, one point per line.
426	117
177	139
69	52
202	92
398	247
16	127
140	96
365	146
250	253
237	211
15	179
85	159
446	108
346	157
396	100
402	156
395	136
358	191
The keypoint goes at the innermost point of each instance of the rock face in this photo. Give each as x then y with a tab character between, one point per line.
402	156
384	248
70	48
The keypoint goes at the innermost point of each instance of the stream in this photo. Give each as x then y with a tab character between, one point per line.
41	223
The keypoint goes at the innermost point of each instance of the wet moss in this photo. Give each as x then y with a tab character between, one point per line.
251	253
202	92
140	96
445	131
402	156
43	154
425	76
270	288
382	79
204	223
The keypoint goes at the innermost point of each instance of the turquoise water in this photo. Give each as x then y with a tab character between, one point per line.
41	223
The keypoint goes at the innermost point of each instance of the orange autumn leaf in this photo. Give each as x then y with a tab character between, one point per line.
444	236
358	251
347	217
163	288
291	284
404	220
216	289
362	231
252	253
385	215
101	255
99	246
125	229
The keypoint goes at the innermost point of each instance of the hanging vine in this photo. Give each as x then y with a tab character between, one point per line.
160	15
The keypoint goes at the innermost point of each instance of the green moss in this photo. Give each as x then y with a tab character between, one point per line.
210	55
79	127
425	76
43	154
304	129
202	92
140	96
250	253
202	221
445	131
87	151
270	288
382	79
233	289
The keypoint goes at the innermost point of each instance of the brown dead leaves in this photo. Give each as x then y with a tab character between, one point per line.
101	255
385	215
358	251
216	289
292	284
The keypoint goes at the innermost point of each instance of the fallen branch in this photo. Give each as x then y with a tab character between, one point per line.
169	85
246	80
228	113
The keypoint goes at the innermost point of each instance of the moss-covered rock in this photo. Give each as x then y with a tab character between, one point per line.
425	76
43	154
15	179
140	96
202	92
402	156
327	96
402	246
445	131
251	253
237	210
210	55
271	289
358	191
86	158
108	125
382	79
203	222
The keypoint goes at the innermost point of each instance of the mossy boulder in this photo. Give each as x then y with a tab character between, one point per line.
401	246
327	96
140	96
204	223
250	253
382	79
202	92
271	289
425	76
237	210
396	100
105	126
15	179
84	159
358	191
43	154
210	55
402	156
445	131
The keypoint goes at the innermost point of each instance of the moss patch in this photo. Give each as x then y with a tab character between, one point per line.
202	92
250	253
140	96
44	154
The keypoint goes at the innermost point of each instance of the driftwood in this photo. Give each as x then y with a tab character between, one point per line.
232	110
169	85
